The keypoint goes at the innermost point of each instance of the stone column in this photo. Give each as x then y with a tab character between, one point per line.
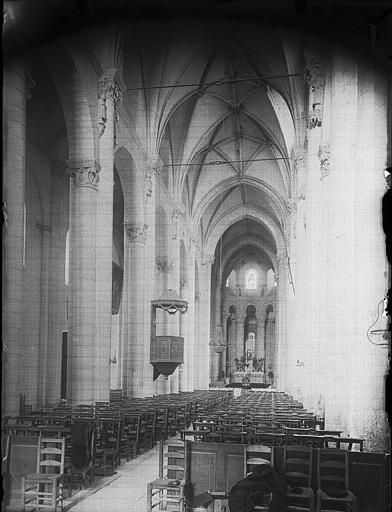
46	231
240	336
233	343
152	168
14	147
188	319
136	233
280	315
85	175
203	354
58	298
174	284
369	363
110	90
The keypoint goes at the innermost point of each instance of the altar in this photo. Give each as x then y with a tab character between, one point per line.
252	377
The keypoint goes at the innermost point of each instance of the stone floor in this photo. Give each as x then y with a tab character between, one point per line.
123	492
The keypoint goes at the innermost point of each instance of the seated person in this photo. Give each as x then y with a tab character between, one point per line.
264	486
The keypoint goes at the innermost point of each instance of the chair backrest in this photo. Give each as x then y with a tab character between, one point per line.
298	463
177	460
332	468
51	455
255	455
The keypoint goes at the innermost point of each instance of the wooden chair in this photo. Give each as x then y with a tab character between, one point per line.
167	491
106	456
131	436
255	455
333	481
83	475
298	464
44	489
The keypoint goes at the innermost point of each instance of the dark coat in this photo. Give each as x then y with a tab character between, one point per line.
255	489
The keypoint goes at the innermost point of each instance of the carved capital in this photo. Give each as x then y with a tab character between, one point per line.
324	156
315	116
163	264
152	169
110	88
136	231
85	172
314	76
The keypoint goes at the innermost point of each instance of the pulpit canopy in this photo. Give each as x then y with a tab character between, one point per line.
171	302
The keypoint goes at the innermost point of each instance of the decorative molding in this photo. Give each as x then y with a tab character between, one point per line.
314	76
315	116
43	227
136	231
324	156
163	264
85	172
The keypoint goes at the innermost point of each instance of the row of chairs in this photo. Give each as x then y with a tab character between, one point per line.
331	491
332	483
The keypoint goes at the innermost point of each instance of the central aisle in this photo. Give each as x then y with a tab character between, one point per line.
127	491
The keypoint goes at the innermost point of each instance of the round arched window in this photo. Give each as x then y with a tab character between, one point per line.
251	279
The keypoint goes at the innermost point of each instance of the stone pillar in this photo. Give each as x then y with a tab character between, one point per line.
110	90
188	320
280	315
85	175
174	284
46	231
203	354
14	148
136	233
240	336
343	234
151	173
58	298
369	363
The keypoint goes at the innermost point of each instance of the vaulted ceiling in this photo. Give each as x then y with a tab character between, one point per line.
221	104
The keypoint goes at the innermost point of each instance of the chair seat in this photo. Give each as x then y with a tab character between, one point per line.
41	478
326	496
166	483
307	492
258	460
